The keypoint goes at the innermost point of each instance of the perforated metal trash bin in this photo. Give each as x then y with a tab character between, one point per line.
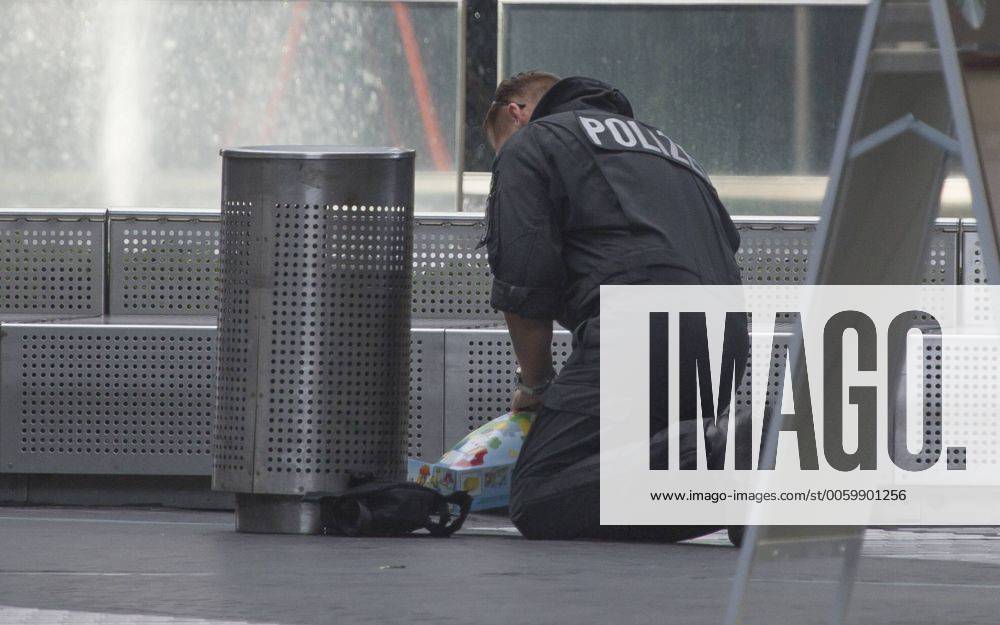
314	326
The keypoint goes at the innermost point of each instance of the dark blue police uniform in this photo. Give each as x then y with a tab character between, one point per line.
586	195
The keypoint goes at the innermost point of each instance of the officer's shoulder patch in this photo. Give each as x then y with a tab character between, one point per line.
618	133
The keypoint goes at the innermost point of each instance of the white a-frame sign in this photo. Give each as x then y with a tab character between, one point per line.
924	95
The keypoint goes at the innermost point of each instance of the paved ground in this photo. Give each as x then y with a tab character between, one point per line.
148	567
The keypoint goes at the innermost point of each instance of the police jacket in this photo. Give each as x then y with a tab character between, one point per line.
586	195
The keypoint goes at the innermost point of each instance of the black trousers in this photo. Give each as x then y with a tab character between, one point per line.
555	490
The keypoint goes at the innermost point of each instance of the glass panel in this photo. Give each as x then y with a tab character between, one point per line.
754	92
127	102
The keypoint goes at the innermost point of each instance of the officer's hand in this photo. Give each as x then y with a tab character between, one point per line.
523	402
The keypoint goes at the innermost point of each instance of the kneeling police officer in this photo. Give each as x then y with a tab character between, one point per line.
583	194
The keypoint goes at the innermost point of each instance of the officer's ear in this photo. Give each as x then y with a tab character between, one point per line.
513	111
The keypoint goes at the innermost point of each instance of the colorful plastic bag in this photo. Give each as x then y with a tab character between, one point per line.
480	464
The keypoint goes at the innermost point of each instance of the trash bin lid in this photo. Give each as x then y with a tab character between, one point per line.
316	152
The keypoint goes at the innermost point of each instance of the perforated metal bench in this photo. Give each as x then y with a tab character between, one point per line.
163	262
108	395
51	263
132	392
776	250
973	271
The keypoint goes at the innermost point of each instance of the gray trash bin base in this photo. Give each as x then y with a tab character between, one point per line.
276	514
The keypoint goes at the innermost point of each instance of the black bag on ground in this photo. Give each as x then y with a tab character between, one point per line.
384	508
